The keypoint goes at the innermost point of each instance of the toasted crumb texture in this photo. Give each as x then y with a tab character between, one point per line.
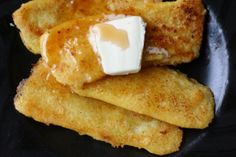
37	16
157	92
174	27
47	101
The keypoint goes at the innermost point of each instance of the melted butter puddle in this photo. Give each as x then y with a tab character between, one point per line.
110	33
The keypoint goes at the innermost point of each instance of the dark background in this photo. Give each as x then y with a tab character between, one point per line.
23	137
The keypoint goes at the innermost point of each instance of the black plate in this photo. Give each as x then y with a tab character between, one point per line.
216	67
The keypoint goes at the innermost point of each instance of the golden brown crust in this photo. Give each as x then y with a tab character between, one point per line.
47	101
174	26
68	52
37	16
191	107
160	93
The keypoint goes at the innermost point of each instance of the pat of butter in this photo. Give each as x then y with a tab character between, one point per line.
119	44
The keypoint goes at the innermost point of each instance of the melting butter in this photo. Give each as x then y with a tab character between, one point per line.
111	34
119	44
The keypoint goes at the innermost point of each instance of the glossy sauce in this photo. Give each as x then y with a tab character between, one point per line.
158	35
69	55
110	33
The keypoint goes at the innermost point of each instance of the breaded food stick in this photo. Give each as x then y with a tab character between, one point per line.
45	100
157	92
174	29
66	49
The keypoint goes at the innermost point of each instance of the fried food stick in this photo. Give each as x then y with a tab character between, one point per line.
66	49
45	100
174	29
157	92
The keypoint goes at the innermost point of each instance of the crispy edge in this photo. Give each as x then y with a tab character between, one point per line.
157	92
35	17
53	103
193	16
